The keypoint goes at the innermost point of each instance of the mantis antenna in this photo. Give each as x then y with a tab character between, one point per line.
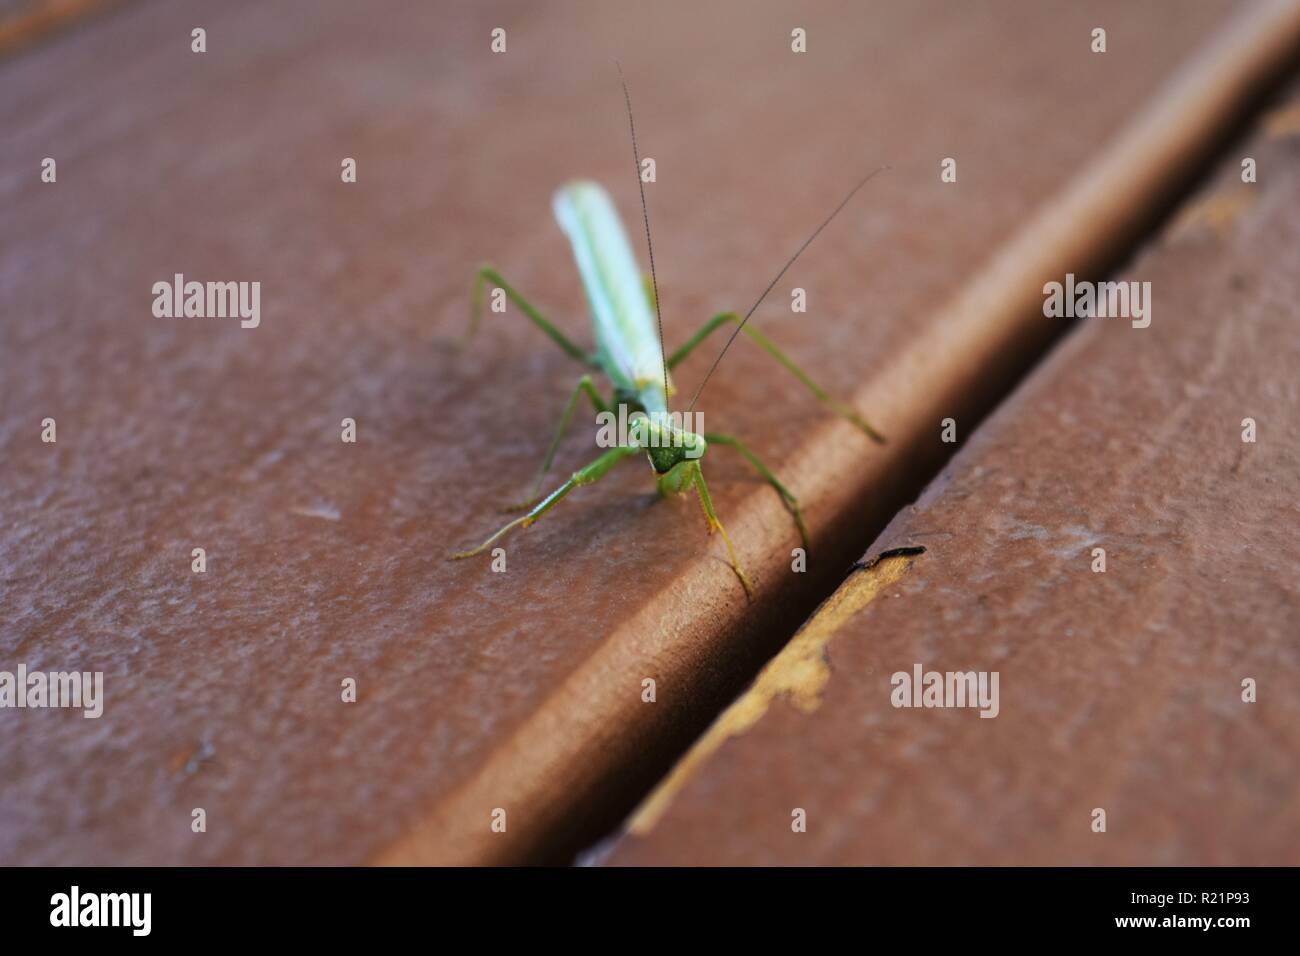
807	242
645	215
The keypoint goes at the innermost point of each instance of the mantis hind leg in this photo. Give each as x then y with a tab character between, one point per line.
488	274
687	474
790	501
583	476
771	348
585	386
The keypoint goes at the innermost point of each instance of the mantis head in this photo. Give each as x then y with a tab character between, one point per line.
666	444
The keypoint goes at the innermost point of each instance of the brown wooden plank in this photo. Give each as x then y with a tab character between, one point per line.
326	560
1120	690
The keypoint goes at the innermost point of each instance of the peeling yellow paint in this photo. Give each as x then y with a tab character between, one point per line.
1283	122
32	21
1215	214
799	674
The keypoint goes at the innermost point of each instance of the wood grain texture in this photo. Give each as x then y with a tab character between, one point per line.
1119	690
480	690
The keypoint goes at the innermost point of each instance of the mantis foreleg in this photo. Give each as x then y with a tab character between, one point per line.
686	475
583	476
587	387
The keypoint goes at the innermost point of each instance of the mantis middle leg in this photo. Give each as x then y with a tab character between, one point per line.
790	501
587	387
771	348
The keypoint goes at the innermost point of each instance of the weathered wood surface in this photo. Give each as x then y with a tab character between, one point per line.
1119	689
326	560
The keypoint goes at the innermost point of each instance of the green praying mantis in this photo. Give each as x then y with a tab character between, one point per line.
628	331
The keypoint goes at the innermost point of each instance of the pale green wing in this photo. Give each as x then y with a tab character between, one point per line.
624	324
